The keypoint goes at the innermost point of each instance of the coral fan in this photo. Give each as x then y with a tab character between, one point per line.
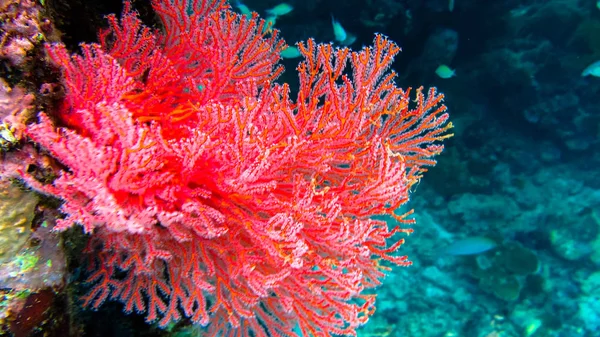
211	194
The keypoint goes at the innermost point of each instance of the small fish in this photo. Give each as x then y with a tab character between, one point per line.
290	53
444	71
470	246
593	69
338	30
269	24
350	39
244	10
279	10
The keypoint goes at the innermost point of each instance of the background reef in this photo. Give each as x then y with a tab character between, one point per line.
521	169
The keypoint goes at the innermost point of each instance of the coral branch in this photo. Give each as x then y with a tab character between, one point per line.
210	194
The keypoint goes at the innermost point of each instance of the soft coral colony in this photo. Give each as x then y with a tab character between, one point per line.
211	194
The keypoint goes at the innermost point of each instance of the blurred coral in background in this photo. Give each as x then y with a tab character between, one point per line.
210	194
22	28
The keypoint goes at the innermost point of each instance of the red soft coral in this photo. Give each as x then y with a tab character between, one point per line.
222	199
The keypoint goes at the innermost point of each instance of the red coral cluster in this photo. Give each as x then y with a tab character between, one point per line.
211	194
